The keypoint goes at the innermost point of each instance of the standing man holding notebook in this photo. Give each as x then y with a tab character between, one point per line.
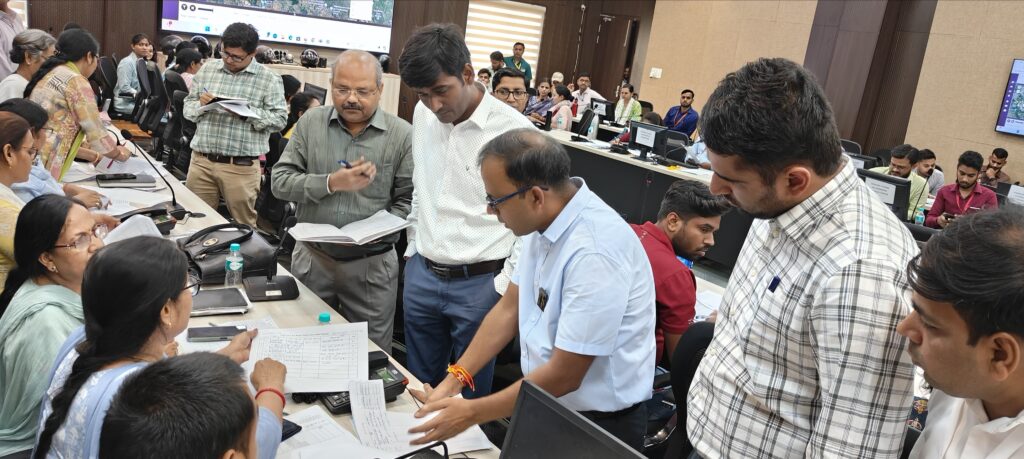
344	163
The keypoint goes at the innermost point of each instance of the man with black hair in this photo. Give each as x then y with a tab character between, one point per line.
687	221
456	250
583	93
517	62
992	173
902	164
226	147
683	117
926	168
497	61
291	86
147	417
510	87
581	299
967	333
805	361
964	196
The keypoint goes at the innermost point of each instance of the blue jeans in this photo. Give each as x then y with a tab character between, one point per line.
441	317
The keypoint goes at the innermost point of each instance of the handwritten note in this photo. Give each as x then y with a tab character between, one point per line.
370	416
317	428
323	358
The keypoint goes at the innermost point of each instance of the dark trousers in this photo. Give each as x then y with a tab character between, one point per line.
441	317
629	427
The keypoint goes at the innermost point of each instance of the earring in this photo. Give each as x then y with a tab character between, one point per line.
53	268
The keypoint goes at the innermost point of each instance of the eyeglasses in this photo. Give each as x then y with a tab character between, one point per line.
361	93
493	203
233	58
85	239
503	93
194	281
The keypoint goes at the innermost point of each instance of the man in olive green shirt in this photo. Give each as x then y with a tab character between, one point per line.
344	163
904	159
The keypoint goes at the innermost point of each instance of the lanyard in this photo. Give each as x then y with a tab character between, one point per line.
967	205
682	116
519	65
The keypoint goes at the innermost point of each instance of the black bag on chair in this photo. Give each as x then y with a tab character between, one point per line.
208	249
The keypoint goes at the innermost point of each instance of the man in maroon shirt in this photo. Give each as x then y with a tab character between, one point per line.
964	196
687	221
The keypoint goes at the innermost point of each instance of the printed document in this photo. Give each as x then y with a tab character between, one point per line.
322	358
359	232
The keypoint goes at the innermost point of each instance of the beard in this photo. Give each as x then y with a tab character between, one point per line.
965	185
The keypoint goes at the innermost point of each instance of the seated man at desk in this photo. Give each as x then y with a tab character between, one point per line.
683	117
583	93
687	221
967	333
902	164
584	339
964	196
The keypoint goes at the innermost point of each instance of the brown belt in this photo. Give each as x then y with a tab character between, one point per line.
236	160
449	272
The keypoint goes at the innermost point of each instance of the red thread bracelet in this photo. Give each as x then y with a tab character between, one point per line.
273	391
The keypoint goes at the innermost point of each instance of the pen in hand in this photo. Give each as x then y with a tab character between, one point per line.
348	165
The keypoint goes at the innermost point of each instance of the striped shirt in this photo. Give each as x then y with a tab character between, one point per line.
806	361
227	134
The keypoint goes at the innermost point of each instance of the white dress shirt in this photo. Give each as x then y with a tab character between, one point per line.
583	99
600	302
450	224
959	428
806	361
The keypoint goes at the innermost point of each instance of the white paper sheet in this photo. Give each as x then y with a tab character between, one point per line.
707	302
1016	195
645	137
473	439
123	200
885	191
138	225
317	428
322	358
341	449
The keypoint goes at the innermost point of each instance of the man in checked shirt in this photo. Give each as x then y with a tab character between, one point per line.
806	360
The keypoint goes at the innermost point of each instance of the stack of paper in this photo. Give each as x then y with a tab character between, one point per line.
138	225
238	107
360	232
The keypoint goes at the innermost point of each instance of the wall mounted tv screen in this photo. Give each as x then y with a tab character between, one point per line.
1011	113
341	24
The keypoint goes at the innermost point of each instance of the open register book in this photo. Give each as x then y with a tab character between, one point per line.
359	232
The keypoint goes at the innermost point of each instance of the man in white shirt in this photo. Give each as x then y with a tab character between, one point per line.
583	93
10	25
456	249
581	299
806	360
967	334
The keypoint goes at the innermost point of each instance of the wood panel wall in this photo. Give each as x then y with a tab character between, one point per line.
112	22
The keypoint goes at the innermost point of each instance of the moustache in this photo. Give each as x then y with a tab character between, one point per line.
351	107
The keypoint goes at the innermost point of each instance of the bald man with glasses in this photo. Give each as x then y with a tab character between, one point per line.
344	163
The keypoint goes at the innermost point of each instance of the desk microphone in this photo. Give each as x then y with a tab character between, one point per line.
668	154
273	287
175	210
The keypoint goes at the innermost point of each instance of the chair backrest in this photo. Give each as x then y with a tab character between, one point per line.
685	359
850	146
157	104
174	82
884	155
646	107
316	91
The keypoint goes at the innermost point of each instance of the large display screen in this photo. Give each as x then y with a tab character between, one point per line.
343	24
1011	113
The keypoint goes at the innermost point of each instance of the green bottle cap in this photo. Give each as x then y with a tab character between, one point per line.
324	318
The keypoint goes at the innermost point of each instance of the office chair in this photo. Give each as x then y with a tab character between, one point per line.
685	360
850	146
884	155
174	82
909	441
921	233
316	91
268	207
646	107
181	153
142	96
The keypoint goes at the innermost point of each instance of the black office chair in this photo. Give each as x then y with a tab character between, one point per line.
316	91
174	82
268	207
181	153
145	90
532	92
909	441
850	146
646	107
884	155
156	104
685	360
920	233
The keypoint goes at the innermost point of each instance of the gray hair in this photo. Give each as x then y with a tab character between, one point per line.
32	41
530	157
359	55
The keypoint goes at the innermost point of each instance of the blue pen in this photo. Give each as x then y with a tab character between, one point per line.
342	162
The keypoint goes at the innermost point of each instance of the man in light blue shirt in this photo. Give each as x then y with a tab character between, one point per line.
581	299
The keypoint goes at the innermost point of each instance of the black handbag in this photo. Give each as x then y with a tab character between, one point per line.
207	251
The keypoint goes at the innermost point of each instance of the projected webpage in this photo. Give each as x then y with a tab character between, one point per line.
343	24
1011	114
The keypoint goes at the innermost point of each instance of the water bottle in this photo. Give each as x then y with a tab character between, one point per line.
592	133
919	216
233	267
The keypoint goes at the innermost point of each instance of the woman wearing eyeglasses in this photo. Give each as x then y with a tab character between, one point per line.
39	307
136	297
17	152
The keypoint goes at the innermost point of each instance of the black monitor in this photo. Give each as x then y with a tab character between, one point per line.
543	428
892	191
648	138
862	161
583	126
604	110
316	91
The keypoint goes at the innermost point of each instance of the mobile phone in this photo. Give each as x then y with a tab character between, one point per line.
948	215
207	334
115	177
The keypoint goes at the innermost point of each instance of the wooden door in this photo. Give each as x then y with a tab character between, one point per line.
610	53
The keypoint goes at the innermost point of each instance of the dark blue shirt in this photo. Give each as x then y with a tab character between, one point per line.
685	123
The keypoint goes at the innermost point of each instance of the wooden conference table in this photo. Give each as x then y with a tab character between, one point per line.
300	312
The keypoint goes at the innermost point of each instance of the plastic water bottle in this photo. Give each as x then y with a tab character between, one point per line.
919	216
324	318
233	267
592	133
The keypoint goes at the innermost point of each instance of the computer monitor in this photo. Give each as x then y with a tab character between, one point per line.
862	161
892	191
316	91
648	138
543	428
583	126
604	109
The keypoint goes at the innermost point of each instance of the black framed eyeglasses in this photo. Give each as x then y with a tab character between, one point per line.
503	93
194	281
231	57
495	202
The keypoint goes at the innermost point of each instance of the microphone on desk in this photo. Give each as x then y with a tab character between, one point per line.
176	211
273	287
